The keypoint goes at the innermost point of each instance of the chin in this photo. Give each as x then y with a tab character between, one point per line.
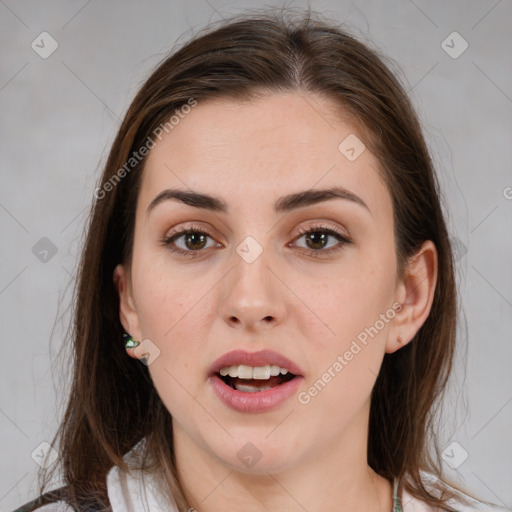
257	454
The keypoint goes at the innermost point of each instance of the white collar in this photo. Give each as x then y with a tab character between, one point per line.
135	490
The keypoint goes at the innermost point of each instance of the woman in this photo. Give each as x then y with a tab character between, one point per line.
266	307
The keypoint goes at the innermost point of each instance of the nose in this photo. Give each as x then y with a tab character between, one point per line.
252	295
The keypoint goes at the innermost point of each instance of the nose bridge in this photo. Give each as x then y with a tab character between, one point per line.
251	294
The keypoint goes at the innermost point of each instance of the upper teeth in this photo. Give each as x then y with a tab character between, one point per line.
249	372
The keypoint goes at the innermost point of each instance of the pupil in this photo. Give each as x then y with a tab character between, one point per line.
193	236
319	239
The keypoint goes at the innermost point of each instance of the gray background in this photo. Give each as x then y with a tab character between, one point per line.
59	117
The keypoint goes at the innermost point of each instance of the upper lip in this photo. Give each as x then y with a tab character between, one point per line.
260	358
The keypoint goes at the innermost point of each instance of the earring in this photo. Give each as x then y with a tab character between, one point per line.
128	341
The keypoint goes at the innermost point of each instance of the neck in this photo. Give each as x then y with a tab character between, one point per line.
333	479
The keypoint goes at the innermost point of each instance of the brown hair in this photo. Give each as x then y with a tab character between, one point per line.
113	403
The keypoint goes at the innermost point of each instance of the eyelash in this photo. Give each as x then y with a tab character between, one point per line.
320	253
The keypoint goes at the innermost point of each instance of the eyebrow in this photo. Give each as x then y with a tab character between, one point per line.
283	204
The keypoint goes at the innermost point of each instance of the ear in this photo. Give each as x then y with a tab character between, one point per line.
415	291
127	311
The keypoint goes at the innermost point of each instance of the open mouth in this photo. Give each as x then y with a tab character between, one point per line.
255	385
255	389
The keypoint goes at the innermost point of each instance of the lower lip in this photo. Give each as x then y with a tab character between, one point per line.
260	401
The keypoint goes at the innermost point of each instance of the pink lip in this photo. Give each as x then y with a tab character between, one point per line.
261	358
260	401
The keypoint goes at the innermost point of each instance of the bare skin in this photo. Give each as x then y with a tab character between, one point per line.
308	308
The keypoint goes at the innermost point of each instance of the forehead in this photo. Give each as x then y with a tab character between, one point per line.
279	143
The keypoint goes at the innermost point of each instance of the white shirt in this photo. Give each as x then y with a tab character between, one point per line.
136	492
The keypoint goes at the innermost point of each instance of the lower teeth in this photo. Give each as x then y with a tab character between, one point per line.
250	389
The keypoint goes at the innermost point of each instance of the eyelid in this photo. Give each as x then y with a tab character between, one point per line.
183	230
323	227
301	230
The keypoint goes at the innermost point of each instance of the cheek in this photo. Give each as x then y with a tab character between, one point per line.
170	315
346	357
167	295
344	300
174	309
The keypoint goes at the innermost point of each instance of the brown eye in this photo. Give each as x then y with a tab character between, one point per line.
194	241
317	239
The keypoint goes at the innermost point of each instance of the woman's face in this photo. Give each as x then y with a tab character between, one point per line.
250	280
